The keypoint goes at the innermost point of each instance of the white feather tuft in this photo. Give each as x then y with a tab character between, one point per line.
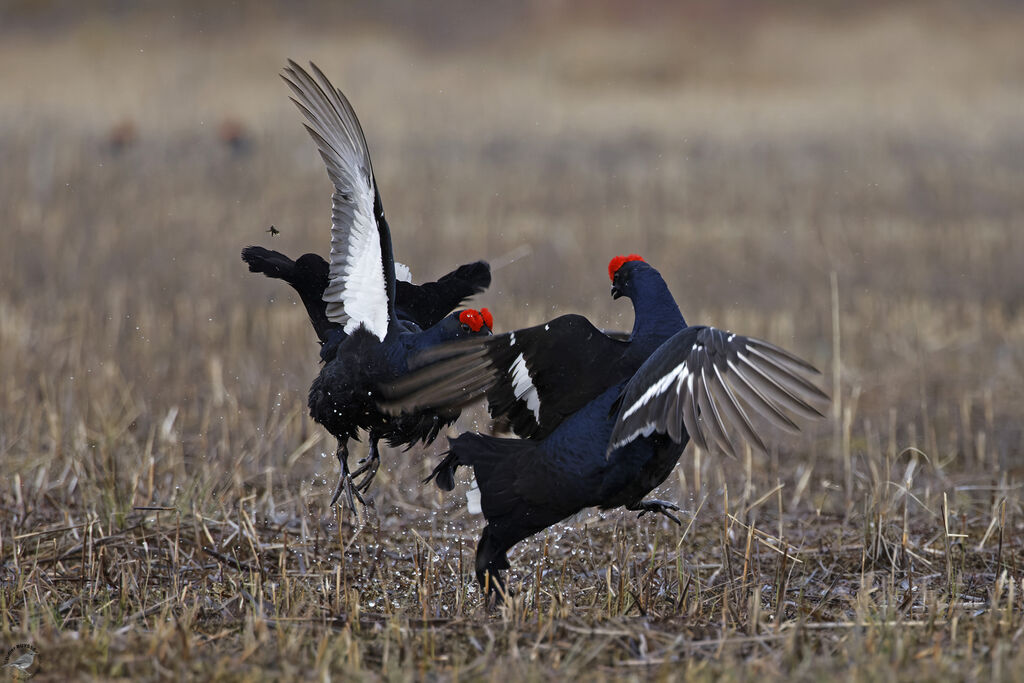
473	506
523	388
402	273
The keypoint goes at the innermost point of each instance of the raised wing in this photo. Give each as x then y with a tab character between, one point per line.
701	379
362	269
427	304
534	377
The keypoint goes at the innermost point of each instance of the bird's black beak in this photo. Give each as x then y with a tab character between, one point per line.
615	292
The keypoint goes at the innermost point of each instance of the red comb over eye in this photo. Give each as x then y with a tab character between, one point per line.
616	263
472	319
488	318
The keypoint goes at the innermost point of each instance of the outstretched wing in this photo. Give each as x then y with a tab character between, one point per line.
535	377
699	381
427	304
362	269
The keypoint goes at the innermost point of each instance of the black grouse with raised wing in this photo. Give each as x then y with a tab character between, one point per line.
604	421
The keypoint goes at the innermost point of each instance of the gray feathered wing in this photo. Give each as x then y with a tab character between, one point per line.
704	381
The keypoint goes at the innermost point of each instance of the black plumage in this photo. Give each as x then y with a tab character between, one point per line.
567	388
367	320
423	305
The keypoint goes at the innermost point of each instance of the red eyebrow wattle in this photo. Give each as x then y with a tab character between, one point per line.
472	318
616	263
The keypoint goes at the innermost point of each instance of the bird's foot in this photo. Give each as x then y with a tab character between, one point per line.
494	589
351	491
370	465
658	506
345	483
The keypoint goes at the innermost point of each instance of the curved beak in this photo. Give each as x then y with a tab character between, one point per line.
615	292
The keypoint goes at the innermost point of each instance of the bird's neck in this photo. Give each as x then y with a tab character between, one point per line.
438	334
655	311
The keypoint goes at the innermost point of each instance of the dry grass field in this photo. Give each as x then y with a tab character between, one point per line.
848	184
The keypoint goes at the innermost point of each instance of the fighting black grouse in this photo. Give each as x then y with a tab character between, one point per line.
604	421
366	318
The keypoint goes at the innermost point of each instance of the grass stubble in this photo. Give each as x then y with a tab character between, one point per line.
164	492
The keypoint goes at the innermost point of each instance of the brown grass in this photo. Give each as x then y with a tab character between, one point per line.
164	496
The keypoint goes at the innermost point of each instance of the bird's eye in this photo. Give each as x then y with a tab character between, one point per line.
465	327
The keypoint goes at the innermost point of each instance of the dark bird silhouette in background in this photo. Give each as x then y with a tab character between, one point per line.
122	136
603	420
368	319
235	136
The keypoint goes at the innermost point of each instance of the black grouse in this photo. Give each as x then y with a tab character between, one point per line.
366	318
423	305
604	421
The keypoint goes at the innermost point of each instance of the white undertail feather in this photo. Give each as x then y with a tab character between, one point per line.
473	506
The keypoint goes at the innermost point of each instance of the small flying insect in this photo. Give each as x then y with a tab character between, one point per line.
273	231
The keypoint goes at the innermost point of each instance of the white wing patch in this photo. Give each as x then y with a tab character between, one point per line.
644	431
357	293
522	386
679	372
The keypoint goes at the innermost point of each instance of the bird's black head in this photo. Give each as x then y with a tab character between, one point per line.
475	323
621	270
467	323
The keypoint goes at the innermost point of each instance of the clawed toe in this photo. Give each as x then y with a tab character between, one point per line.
367	473
659	506
346	484
351	491
338	489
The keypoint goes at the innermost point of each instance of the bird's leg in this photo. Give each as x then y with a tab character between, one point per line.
370	465
345	479
342	455
491	559
493	585
655	505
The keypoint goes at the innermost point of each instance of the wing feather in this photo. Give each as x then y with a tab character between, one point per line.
733	411
711	418
359	285
690	418
534	377
698	382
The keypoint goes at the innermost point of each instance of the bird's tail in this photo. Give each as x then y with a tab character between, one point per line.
308	276
496	462
271	263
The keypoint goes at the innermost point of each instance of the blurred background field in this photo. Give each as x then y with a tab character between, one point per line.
754	155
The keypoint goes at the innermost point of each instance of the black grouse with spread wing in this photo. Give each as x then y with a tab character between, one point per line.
368	321
604	421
